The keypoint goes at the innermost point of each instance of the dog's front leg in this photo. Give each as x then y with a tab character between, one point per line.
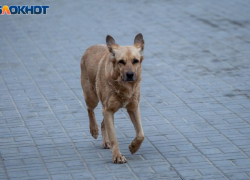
114	146
135	117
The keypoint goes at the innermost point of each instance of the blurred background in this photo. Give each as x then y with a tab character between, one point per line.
195	103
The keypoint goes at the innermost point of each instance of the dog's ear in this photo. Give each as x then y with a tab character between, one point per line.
111	44
139	42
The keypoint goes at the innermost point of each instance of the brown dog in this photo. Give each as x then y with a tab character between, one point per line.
112	74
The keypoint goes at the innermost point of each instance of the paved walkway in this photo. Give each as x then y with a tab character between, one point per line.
195	101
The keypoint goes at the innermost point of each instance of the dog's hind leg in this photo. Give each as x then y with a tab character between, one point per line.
91	100
105	139
93	126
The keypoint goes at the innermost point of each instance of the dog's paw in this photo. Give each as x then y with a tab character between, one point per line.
94	130
119	159
106	145
135	145
133	148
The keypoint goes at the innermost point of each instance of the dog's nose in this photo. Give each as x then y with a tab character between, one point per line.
130	74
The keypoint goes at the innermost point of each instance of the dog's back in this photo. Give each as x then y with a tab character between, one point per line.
90	61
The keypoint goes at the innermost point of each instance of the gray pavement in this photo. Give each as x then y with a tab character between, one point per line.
195	103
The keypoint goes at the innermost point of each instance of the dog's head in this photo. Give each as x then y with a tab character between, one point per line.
126	59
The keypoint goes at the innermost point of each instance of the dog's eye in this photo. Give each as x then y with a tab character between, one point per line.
121	62
135	61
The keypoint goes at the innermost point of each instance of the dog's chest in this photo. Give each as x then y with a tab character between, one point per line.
126	99
124	104
123	98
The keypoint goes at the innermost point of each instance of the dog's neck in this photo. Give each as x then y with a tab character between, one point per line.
123	89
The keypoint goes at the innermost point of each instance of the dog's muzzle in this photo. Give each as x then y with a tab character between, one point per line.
130	76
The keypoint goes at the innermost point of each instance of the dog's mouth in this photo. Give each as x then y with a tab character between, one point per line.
126	79
129	80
